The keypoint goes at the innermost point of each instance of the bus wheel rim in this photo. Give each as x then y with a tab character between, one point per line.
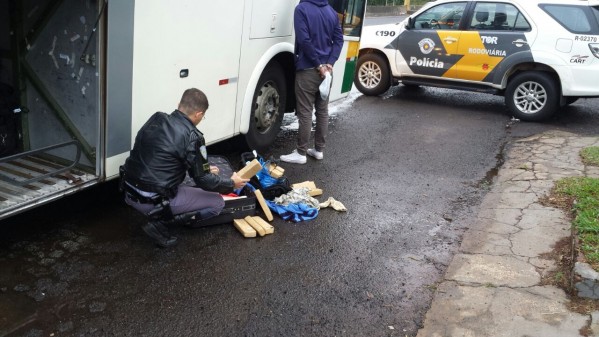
267	107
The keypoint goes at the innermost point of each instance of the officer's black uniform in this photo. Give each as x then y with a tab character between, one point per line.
166	148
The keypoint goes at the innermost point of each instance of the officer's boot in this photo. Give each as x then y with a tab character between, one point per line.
183	218
159	233
158	229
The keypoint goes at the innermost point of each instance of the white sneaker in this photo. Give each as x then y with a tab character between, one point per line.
315	154
294	158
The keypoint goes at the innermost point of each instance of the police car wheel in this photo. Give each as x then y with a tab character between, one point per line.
372	76
532	96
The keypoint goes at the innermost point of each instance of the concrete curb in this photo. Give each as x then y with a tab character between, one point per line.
492	286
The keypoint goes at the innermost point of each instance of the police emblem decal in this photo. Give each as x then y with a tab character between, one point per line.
204	152
426	45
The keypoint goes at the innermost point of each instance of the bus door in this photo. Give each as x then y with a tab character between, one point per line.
351	17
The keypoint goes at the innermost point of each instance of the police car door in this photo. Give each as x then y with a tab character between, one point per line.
428	48
494	39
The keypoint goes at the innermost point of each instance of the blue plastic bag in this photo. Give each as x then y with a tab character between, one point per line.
265	179
293	212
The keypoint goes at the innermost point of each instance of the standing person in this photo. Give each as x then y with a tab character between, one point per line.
166	147
318	43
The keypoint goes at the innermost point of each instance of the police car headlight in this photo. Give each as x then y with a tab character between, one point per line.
594	49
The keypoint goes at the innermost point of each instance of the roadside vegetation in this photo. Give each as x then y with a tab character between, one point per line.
581	196
590	155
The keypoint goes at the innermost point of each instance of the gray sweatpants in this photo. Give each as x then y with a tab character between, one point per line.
308	100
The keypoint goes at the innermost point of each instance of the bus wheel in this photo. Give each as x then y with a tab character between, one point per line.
372	76
268	108
532	96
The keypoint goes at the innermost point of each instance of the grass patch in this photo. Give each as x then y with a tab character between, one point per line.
583	194
580	196
590	155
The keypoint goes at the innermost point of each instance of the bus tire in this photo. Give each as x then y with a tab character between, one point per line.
268	108
532	96
372	76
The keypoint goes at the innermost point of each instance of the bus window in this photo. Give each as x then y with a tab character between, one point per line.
350	14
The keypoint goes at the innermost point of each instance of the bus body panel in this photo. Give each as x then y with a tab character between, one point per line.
193	41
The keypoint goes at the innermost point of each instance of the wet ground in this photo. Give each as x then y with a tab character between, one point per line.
411	167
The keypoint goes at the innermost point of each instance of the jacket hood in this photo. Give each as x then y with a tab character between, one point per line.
319	3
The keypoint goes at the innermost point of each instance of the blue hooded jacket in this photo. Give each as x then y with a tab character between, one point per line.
318	36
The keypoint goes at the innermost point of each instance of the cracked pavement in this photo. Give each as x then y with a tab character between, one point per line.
492	287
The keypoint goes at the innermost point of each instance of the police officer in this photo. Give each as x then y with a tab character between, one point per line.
166	147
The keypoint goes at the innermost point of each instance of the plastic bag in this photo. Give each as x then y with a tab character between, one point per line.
293	212
271	187
263	176
325	86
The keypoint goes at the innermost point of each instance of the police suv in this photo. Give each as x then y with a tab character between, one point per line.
539	54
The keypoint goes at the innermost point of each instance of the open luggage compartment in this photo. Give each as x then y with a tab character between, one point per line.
29	178
50	102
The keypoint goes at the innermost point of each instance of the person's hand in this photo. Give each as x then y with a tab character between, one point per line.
238	181
324	69
214	169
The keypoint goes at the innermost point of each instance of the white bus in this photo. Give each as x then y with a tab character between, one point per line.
78	78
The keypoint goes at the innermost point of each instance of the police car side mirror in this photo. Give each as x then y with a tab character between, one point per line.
410	23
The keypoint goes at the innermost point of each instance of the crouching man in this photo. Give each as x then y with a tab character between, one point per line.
166	148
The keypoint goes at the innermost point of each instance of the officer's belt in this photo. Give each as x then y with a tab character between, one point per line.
137	197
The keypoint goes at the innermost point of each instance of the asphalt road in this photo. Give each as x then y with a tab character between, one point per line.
410	166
